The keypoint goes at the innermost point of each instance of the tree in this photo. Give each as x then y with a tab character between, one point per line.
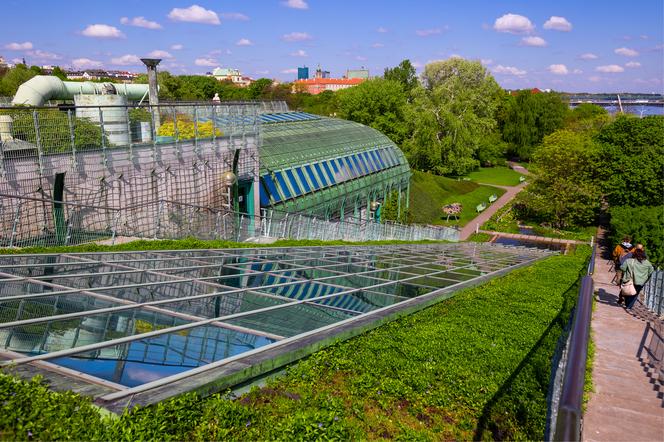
58	72
15	77
631	164
404	74
377	103
528	117
450	114
566	190
260	88
587	117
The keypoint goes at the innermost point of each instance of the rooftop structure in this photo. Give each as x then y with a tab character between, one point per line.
358	73
139	327
232	75
315	86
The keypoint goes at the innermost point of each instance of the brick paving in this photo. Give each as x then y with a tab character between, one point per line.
628	401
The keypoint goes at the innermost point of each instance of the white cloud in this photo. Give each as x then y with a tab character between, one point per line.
627	52
296	36
157	53
510	70
486	61
140	22
296	4
610	68
205	62
514	24
289	71
17	60
177	47
533	41
262	72
102	31
299	53
86	63
126	60
577	71
194	14
558	24
633	64
558	69
43	55
377	45
417	65
360	58
381	30
244	42
428	32
234	16
25	46
588	56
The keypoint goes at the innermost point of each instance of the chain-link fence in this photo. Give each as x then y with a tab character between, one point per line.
27	221
39	131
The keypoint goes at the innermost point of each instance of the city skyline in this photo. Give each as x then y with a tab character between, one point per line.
590	47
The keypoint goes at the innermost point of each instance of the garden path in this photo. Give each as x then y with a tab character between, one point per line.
627	403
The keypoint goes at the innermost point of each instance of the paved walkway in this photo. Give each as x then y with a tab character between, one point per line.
483	217
627	403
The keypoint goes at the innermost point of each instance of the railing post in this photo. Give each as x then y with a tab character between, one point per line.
17	215
176	133
35	120
195	130
131	143
157	224
103	143
72	135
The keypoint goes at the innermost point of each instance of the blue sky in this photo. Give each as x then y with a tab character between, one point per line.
590	45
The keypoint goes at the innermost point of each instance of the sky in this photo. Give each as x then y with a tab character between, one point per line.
565	45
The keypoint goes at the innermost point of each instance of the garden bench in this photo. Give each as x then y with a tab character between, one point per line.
480	207
493	198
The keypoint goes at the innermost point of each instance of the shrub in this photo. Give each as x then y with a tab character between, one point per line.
645	225
187	131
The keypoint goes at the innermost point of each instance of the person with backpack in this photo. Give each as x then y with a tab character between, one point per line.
636	271
620	251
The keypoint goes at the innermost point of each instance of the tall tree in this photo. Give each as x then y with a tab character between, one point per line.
451	113
528	117
377	103
404	73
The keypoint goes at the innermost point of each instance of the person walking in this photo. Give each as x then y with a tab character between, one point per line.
618	256
636	271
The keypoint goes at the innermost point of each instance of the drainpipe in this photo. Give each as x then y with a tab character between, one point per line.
153	88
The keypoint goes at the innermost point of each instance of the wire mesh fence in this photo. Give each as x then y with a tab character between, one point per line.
38	131
40	222
653	293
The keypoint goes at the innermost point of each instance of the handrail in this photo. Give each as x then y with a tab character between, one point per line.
570	409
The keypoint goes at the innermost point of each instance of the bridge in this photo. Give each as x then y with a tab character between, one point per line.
616	103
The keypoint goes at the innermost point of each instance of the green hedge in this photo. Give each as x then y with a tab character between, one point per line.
475	366
645	225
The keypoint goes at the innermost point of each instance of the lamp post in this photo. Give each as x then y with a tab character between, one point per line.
229	179
375	210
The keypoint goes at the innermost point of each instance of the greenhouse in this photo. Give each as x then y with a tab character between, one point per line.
328	167
143	326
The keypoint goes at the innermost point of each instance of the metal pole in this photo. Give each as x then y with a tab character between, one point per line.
72	136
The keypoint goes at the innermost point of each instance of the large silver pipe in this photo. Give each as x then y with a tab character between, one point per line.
41	88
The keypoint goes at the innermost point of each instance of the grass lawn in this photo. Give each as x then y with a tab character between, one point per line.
475	366
499	175
429	193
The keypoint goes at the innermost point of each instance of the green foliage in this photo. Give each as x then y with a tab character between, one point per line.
404	74
644	224
54	134
377	103
58	72
526	118
451	114
413	378
429	193
390	209
491	150
324	103
631	165
139	114
13	78
565	190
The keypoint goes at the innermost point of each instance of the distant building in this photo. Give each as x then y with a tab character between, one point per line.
321	73
303	73
315	86
232	75
358	73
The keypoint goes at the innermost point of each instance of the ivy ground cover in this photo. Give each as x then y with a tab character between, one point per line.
475	366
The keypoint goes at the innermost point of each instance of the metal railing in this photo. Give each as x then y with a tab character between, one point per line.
653	293
29	221
566	400
39	131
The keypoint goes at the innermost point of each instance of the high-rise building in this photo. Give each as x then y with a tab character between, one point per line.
303	73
